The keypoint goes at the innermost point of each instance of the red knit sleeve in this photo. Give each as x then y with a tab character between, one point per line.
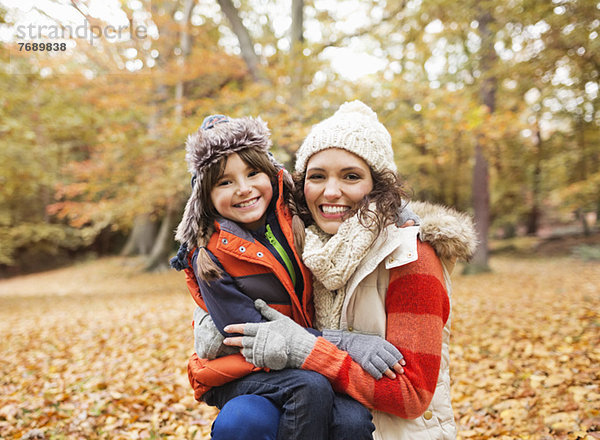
417	309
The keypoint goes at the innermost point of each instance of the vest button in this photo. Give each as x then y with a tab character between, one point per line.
259	254
350	329
242	249
224	241
427	415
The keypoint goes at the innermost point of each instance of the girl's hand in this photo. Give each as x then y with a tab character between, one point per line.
276	344
208	341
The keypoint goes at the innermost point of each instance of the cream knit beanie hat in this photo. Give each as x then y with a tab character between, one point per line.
355	128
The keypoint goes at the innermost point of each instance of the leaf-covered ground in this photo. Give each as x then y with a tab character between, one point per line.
99	351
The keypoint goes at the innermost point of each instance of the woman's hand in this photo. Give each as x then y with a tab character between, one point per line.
376	355
276	344
407	217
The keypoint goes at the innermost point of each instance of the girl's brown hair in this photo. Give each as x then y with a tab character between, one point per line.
257	159
388	195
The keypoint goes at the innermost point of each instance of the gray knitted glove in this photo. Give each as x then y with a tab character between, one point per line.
276	344
408	214
371	352
208	341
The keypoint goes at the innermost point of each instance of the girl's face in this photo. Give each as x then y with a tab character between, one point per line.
242	193
336	181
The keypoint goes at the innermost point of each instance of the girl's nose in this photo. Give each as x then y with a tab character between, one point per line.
243	187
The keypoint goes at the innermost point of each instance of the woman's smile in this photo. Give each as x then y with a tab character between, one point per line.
336	182
333	211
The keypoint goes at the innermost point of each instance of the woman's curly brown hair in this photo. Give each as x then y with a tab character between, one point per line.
388	195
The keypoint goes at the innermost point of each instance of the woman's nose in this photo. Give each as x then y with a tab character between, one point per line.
332	190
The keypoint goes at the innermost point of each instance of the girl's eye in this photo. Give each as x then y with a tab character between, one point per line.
223	182
253	173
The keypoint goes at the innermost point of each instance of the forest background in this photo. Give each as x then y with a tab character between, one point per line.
493	108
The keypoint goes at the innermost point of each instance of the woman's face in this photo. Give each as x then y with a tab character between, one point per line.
336	181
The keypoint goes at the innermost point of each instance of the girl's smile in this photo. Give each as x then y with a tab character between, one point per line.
247	203
242	193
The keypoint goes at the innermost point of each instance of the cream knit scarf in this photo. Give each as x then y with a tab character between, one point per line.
333	259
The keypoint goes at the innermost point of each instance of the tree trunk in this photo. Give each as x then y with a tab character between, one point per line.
185	42
534	215
243	36
141	237
297	31
481	206
159	257
481	191
297	47
585	226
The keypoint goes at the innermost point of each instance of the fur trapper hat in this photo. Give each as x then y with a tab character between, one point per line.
218	137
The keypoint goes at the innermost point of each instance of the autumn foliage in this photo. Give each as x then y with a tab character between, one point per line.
91	140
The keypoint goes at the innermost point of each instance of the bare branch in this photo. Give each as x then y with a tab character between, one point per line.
362	31
243	36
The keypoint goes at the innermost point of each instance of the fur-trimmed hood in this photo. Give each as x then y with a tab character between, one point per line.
451	233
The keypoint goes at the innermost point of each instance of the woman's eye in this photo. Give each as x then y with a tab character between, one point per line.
315	177
353	176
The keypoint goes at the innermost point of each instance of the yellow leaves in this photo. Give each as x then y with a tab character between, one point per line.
78	362
525	348
562	422
99	351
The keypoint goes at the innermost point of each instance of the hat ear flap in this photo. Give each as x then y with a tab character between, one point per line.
187	231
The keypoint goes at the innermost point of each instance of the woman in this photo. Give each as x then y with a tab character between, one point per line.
370	276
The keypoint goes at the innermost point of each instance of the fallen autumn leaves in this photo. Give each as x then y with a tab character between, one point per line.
526	351
105	360
99	351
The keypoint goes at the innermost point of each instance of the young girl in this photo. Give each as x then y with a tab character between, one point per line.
236	236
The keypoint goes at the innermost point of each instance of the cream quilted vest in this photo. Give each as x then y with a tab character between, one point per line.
364	310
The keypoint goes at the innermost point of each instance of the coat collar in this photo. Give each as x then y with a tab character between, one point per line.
398	246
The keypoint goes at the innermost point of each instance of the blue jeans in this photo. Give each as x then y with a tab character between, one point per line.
247	417
307	408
